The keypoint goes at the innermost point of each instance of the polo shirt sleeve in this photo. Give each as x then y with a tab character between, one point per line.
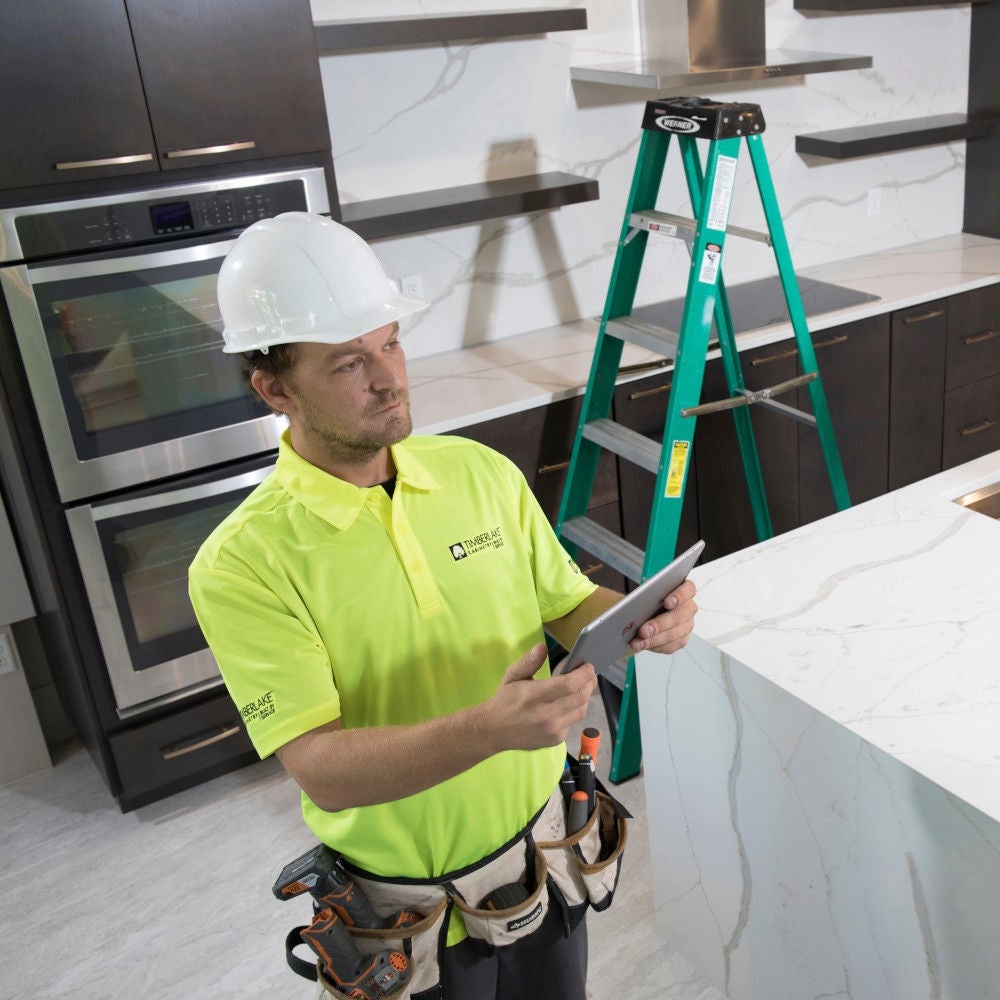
274	666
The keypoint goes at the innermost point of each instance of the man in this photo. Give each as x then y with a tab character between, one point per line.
395	669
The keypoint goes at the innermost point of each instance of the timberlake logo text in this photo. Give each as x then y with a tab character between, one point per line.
258	709
492	539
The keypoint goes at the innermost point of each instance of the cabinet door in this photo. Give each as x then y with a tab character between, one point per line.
642	406
726	514
916	392
70	94
229	80
853	363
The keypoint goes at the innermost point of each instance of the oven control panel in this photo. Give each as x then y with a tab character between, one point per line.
154	219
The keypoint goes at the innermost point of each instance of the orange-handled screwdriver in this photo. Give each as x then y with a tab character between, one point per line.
590	740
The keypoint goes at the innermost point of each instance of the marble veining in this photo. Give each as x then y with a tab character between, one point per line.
821	763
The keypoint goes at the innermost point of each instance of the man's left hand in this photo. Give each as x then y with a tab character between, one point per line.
668	632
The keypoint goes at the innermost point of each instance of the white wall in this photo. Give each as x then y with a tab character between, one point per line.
411	119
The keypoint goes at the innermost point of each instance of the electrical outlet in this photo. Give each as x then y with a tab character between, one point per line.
874	201
7	664
412	284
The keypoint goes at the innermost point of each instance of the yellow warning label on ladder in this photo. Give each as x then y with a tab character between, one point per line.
675	474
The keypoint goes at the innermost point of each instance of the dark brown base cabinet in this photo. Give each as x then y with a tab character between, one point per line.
910	393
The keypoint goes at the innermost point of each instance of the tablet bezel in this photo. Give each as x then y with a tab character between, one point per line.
606	639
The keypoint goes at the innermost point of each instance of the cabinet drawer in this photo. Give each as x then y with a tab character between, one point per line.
973	336
971	421
161	757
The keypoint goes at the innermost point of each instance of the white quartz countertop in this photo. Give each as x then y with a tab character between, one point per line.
462	387
886	618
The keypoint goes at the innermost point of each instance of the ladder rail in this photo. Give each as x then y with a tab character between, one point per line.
599	394
797	313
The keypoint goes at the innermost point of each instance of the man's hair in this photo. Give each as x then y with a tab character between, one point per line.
276	362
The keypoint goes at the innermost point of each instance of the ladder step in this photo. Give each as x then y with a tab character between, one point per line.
647	335
683	228
630	445
618	553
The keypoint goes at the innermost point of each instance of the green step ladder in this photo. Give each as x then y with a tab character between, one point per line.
710	187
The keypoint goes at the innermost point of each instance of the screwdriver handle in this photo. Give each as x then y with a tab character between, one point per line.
590	741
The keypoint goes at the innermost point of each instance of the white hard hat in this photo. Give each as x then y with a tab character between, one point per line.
304	277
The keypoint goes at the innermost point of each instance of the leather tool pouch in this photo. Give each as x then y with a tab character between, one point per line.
502	899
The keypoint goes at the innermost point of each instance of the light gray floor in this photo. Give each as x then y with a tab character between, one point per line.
173	901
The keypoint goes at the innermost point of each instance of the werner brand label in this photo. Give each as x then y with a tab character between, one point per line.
676	123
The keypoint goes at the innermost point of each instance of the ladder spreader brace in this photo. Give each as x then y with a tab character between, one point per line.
710	188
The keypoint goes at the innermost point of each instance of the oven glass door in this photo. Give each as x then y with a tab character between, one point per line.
134	556
123	357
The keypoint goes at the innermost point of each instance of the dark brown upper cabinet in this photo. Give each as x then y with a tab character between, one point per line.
103	88
71	99
229	80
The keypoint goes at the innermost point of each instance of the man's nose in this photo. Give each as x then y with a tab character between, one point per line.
387	373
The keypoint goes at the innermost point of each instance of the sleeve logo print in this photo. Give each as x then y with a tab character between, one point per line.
492	539
259	709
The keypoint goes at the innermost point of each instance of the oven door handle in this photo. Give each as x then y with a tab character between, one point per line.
157	501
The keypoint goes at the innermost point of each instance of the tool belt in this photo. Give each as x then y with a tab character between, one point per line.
540	868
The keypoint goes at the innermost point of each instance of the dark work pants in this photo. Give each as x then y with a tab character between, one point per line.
546	964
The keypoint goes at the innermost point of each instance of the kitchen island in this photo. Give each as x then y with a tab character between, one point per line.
822	763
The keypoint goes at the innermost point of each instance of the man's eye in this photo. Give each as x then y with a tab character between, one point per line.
350	366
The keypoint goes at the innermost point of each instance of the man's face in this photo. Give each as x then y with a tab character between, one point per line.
349	401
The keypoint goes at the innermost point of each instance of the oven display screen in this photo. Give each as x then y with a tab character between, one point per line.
172	217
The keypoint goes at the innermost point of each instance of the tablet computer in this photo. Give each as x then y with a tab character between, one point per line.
607	637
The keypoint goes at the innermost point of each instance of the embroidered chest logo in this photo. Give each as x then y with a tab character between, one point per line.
492	539
259	709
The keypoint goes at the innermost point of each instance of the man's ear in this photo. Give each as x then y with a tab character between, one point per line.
271	389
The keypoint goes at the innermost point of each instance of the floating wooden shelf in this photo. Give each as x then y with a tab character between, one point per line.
468	203
379	32
888	137
859	5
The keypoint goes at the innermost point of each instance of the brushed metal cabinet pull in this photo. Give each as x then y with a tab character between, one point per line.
979	338
555	467
110	161
198	743
829	343
983	425
757	362
643	393
923	317
228	147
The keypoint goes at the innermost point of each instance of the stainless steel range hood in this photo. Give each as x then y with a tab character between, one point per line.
685	43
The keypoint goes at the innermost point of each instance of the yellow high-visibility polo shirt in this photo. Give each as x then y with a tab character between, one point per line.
321	600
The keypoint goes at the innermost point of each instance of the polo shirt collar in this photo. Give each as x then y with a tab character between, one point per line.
334	500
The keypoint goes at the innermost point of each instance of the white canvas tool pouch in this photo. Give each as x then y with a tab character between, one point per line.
502	898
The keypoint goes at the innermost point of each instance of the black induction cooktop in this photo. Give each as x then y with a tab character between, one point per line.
757	304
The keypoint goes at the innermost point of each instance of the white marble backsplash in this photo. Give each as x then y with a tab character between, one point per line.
432	116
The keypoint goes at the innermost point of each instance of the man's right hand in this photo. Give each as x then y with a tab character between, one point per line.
528	713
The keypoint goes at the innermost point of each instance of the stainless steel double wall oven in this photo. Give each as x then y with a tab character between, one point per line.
130	434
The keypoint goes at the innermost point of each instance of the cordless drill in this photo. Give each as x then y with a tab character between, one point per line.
361	977
319	873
